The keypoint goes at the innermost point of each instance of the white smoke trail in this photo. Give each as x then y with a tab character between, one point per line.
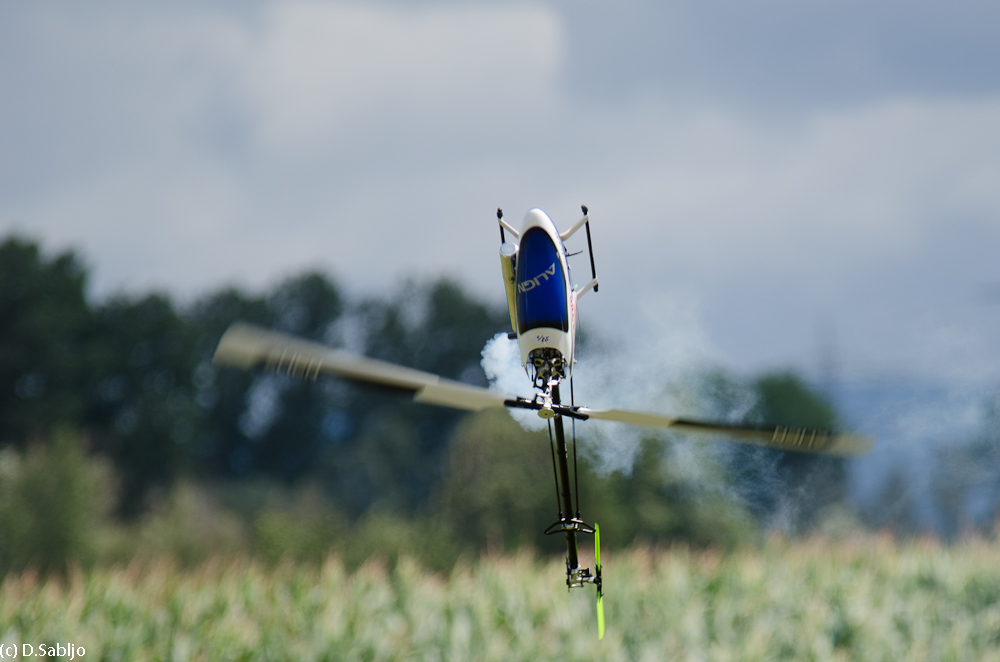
660	369
916	423
502	365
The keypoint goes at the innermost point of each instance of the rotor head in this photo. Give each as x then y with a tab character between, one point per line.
546	366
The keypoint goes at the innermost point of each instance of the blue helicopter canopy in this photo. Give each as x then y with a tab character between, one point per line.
541	284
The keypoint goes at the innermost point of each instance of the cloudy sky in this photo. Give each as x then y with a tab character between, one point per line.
780	178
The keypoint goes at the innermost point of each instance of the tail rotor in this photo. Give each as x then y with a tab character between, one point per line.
597	580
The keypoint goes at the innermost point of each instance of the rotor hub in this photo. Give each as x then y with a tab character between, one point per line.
546	364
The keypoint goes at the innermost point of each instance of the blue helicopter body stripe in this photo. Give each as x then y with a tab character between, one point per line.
541	284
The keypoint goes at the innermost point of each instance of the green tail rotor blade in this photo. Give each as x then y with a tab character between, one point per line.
600	616
600	593
597	545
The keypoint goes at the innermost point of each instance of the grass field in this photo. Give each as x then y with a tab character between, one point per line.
867	599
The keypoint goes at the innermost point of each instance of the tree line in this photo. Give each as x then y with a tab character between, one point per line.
131	377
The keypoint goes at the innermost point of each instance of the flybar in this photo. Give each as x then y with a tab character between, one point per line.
562	410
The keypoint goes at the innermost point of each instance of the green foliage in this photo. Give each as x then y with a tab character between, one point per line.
45	335
306	306
435	327
241	437
500	493
188	525
385	453
790	490
499	490
195	523
134	373
142	412
865	599
389	538
53	505
301	525
784	399
221	395
659	501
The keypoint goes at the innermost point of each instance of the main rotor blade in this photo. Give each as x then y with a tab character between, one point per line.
247	347
785	438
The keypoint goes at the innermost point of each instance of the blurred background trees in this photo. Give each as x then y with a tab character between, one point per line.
47	339
120	438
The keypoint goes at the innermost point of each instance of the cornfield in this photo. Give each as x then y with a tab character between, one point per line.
864	599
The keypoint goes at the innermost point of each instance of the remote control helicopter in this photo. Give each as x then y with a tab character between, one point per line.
542	303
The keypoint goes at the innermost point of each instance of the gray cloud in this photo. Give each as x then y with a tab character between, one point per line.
777	163
777	56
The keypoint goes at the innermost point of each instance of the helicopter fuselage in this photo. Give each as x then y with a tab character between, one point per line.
541	298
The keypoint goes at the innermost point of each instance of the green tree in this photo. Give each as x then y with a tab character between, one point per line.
500	493
53	504
435	327
499	488
45	341
221	395
142	407
293	443
257	423
659	500
786	488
